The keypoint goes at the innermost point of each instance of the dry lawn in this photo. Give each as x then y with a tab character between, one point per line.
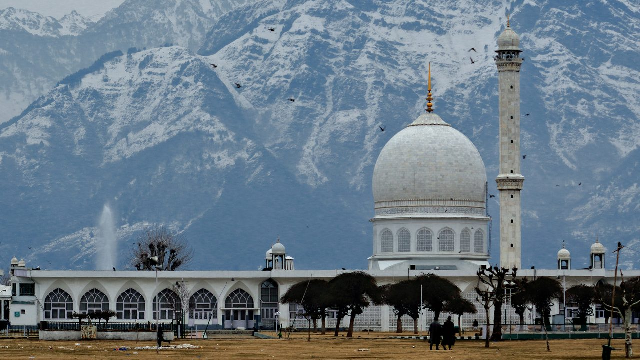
362	346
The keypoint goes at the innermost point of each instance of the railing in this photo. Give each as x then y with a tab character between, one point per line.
101	326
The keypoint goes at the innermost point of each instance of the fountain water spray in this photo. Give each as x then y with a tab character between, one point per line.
107	241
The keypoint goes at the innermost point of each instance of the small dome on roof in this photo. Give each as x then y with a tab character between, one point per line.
277	248
22	263
14	261
508	40
564	254
597	248
268	255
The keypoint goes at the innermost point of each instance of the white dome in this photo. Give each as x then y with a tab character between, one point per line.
22	263
268	255
277	248
597	248
429	163
564	254
508	40
14	261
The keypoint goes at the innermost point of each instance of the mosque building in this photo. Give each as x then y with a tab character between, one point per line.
430	216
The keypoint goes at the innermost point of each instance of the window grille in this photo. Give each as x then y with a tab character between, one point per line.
424	240
58	305
92	301
404	240
386	240
203	305
130	305
446	240
465	241
239	299
478	242
167	303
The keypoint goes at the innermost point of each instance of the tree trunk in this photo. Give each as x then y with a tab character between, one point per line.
486	336
324	324
459	327
521	321
415	325
497	322
545	320
628	347
315	325
352	319
436	315
399	324
338	320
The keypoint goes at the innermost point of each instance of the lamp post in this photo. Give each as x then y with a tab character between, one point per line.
153	260
508	285
277	315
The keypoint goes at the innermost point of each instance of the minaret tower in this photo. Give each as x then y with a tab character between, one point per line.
509	179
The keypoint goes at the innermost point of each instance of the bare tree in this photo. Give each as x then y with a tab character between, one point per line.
159	247
180	288
5	279
627	299
492	282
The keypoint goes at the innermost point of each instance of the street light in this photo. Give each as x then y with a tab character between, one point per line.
508	285
277	314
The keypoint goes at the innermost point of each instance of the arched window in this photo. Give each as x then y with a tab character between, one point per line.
424	240
239	299
269	300
130	305
404	240
58	305
168	302
203	305
386	240
478	241
93	300
446	240
465	241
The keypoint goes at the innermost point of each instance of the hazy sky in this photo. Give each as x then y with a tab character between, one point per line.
58	8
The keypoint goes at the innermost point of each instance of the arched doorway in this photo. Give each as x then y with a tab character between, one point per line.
268	303
238	310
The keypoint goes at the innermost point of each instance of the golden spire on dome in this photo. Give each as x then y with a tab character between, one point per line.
429	97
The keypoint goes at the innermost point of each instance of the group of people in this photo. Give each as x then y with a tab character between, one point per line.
442	334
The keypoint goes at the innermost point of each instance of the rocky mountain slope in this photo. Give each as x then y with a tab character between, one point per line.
37	51
163	136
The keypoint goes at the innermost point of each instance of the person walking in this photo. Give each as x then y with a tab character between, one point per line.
435	334
448	334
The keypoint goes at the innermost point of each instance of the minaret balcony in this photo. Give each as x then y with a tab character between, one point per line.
510	181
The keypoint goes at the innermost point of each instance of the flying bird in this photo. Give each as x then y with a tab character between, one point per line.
214	65
114	269
579	183
382	127
557	185
526	114
272	29
524	156
473	62
291	99
238	86
491	196
474	49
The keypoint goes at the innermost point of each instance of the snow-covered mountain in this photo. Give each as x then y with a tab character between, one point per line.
32	62
20	20
163	136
